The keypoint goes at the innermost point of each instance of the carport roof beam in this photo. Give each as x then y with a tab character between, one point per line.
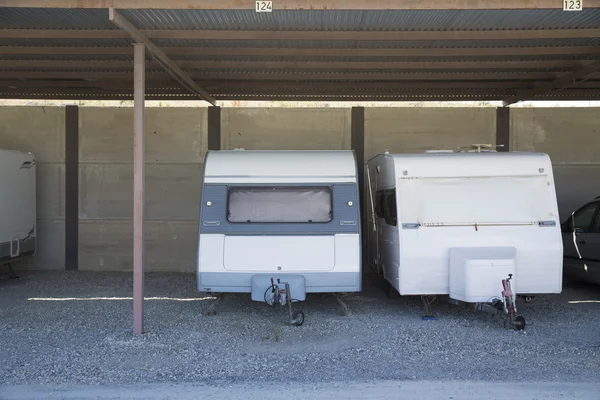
303	65
456	52
566	80
301	4
223	34
183	78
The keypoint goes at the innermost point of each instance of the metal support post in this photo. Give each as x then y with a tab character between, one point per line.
139	88
503	128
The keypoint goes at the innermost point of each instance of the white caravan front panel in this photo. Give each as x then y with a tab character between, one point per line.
279	253
239	245
477	200
342	255
424	256
478	211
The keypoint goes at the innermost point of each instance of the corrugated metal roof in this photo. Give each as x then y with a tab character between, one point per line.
75	69
320	59
367	72
48	18
304	58
305	73
305	97
67	42
308	20
583	57
363	20
73	57
256	43
55	18
412	44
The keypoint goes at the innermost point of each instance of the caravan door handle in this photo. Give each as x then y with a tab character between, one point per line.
582	241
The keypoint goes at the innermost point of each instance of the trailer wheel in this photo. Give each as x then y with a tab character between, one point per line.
520	323
298	317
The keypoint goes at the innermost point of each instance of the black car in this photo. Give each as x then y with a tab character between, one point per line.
581	244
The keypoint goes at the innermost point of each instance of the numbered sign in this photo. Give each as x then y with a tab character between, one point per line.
572	5
264	6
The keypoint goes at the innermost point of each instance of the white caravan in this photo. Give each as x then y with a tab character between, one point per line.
274	217
457	223
17	206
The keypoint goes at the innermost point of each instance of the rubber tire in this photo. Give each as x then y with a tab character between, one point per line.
520	323
298	315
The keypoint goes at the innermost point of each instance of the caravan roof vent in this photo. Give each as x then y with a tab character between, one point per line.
478	148
238	149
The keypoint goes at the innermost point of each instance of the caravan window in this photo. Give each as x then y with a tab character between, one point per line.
389	207
279	204
379	203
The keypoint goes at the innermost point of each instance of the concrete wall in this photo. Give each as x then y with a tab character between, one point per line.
407	130
571	136
176	147
175	150
41	130
284	128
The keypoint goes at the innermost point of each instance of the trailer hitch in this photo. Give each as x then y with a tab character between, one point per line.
512	320
281	296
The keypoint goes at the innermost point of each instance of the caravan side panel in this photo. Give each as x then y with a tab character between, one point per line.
17	205
384	241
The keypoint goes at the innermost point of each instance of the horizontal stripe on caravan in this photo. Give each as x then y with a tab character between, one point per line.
291	233
280	179
525	175
316	282
213	219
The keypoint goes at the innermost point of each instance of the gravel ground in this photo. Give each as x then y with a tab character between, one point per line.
392	390
77	342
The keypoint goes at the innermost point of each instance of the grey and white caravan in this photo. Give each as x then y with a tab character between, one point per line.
17	206
271	218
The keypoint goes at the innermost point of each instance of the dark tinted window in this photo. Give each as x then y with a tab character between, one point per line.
389	207
379	203
583	218
596	225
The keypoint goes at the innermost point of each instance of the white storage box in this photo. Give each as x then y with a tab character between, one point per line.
476	273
